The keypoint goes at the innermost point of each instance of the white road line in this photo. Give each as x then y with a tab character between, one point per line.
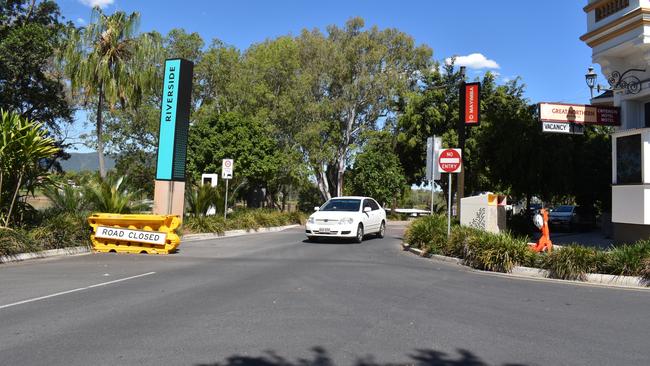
75	290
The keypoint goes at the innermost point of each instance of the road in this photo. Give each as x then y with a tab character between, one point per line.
275	300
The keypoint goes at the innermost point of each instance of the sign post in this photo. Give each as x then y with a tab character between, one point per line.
169	191
450	161
226	174
469	116
434	144
571	118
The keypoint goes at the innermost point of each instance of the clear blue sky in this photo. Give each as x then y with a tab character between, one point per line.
536	40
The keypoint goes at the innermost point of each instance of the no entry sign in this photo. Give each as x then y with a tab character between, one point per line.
450	160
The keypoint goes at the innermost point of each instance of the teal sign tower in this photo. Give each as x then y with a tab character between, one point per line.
174	120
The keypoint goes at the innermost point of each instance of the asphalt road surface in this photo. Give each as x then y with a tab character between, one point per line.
275	300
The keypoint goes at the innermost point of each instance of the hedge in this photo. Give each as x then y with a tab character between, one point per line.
501	252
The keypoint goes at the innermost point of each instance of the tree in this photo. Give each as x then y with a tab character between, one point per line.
377	171
29	81
257	158
356	77
23	144
109	65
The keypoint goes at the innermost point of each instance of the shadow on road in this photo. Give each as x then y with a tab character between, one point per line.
321	358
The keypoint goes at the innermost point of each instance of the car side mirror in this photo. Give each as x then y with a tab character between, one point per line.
316	208
367	209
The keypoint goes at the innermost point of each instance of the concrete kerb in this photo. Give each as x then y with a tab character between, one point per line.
45	254
521	271
231	233
70	251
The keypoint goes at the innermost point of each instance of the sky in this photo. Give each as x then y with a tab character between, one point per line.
537	41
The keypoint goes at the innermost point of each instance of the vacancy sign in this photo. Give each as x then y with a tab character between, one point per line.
138	236
560	127
471	103
226	169
450	160
580	113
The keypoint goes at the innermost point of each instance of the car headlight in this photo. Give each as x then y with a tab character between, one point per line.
311	220
346	221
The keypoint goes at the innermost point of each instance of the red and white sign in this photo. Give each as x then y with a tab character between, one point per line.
580	114
450	160
226	169
472	103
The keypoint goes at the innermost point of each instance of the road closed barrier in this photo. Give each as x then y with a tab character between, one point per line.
151	234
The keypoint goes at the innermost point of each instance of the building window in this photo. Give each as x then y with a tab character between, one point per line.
647	114
610	7
628	159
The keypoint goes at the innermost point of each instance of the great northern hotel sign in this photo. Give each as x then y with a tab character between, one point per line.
579	114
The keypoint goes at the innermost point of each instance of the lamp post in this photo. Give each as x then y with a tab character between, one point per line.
590	78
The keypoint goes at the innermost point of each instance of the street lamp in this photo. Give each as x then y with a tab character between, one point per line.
590	78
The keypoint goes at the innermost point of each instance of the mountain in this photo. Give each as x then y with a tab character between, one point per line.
85	162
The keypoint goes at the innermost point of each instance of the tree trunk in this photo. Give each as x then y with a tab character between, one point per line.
339	174
100	142
323	186
13	200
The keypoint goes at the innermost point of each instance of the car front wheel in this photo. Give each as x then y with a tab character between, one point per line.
359	237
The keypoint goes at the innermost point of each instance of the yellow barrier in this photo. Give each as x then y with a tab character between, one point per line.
151	234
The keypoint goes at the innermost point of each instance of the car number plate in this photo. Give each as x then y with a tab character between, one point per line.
324	230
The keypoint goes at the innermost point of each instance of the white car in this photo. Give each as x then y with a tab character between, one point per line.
347	217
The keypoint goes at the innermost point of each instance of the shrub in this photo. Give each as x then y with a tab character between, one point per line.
645	272
429	233
111	195
457	241
60	231
495	252
205	224
626	260
66	199
573	262
242	220
14	242
200	199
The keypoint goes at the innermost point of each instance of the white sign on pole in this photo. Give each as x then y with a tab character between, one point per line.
138	236
434	145
429	170
226	169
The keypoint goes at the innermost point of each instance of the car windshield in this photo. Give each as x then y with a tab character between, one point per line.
341	205
563	209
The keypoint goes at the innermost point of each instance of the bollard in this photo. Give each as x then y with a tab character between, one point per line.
150	234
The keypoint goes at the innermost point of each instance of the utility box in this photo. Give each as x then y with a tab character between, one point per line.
486	212
209	179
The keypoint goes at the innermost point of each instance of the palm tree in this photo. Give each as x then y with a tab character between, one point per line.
111	66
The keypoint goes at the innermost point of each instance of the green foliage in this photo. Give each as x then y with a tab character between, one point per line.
645	272
14	242
30	85
66	200
60	230
242	220
495	252
627	260
377	171
110	66
200	199
111	195
309	197
429	232
23	145
573	262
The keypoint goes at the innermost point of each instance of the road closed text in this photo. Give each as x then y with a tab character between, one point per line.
149	237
